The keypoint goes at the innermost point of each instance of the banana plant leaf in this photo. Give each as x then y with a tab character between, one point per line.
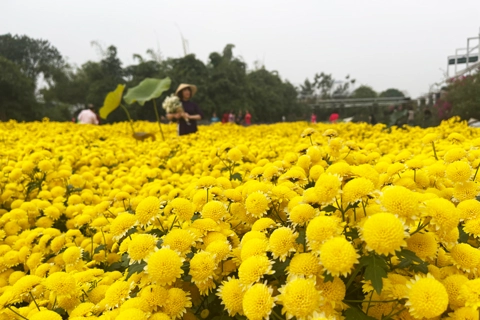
112	101
147	90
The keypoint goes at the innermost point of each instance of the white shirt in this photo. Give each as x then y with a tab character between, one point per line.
87	116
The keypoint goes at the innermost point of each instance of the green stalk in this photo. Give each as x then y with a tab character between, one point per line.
129	118
434	151
158	118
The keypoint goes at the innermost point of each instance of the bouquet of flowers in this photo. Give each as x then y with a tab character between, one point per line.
172	104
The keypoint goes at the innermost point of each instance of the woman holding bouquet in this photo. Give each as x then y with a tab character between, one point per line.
187	118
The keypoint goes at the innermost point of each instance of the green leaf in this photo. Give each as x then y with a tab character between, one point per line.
463	238
327	277
99	248
301	237
409	259
136	268
125	260
352	234
329	208
280	267
159	243
156	232
112	101
354	313
376	270
147	90
236	176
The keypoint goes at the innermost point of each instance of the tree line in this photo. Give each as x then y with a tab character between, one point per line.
36	81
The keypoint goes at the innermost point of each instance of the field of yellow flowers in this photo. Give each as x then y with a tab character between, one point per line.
343	221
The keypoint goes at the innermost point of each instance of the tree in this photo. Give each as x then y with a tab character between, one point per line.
307	88
269	98
392	93
463	95
363	92
34	57
17	93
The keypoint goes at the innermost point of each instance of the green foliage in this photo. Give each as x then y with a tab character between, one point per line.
356	314
363	92
464	97
17	93
391	93
34	57
147	90
112	101
375	271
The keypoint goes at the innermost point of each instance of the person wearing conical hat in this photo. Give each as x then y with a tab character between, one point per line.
187	120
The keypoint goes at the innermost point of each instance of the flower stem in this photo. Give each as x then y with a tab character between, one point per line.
434	151
476	171
129	118
35	301
18	314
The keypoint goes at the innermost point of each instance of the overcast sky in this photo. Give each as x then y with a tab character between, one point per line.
400	44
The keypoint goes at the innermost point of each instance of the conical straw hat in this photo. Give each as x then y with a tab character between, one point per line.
182	86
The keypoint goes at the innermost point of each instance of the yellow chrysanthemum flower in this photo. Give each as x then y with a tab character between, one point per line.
384	233
177	302
401	201
327	188
117	293
300	298
231	293
321	229
202	266
357	189
459	171
61	284
72	255
282	241
470	293
338	264
183	208
257	204
423	244
258	302
464	313
302	213
253	247
332	291
180	240
469	209
147	210
165	266
465	257
214	210
304	264
453	283
131	314
427	297
444	215
154	295
45	314
121	224
141	247
253	269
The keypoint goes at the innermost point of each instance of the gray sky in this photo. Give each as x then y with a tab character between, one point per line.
400	44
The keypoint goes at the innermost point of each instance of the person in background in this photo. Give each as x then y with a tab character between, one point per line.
411	116
284	118
371	119
231	117
333	117
239	118
225	117
87	116
313	118
191	111
248	118
214	118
